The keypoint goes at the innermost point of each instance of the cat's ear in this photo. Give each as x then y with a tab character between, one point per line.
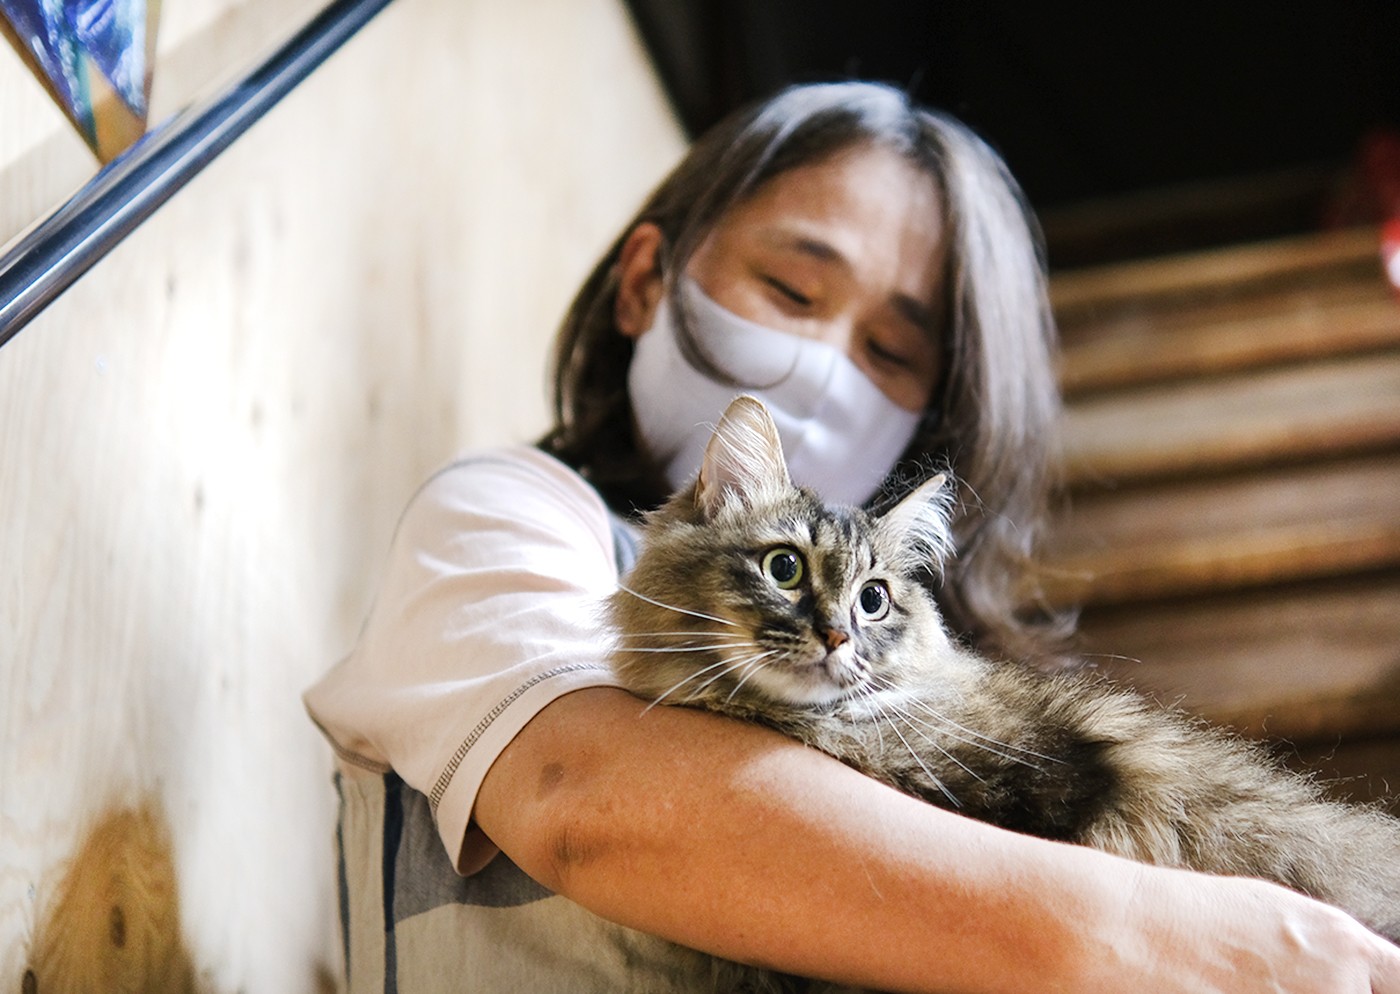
921	522
743	462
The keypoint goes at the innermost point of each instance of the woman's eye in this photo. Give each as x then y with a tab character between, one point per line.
874	600
792	294
890	356
783	566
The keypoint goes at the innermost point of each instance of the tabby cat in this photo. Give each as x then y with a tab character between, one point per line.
753	599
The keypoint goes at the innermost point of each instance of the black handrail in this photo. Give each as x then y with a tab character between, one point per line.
51	257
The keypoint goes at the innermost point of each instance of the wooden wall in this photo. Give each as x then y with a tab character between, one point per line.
204	446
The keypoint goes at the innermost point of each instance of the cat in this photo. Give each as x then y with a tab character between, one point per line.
753	599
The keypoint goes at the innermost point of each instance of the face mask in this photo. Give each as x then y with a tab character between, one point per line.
840	433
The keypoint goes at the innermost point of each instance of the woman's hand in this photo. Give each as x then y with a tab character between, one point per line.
1187	933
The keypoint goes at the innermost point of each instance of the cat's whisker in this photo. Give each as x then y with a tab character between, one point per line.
688	633
1117	657
679	610
738	664
754	664
976	738
723	665
867	694
883	708
730	666
949	728
917	727
878	711
688	648
993	746
933	778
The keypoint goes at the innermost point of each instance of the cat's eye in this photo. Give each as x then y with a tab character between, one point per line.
783	566
874	600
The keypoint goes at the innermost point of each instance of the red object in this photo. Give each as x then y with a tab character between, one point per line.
1375	196
1380	171
1390	251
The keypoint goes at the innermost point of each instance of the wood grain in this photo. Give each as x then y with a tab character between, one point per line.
1134	349
1163	282
1203	535
1303	661
1232	441
114	925
206	442
1186	216
1291	413
200	44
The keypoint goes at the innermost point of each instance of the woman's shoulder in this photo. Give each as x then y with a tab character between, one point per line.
508	466
507	473
513	489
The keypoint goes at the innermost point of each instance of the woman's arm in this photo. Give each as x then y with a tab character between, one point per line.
732	839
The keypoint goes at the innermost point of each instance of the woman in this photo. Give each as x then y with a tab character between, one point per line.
867	269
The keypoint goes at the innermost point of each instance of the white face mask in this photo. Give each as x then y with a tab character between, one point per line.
841	434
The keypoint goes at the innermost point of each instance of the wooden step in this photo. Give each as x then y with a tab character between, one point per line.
1208	534
1250	419
1348	255
1302	662
1187	216
1300	323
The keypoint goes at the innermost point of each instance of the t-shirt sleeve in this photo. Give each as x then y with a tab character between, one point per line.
490	608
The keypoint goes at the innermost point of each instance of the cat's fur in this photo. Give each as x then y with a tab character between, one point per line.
701	623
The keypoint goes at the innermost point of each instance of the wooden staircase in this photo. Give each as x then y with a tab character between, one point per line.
1232	453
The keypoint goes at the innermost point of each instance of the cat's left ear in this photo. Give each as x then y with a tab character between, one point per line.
743	462
922	520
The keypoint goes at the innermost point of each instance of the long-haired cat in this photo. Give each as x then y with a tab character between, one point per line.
753	599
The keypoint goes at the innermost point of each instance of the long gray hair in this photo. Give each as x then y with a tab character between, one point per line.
992	420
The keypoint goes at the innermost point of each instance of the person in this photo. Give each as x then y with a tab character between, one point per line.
866	267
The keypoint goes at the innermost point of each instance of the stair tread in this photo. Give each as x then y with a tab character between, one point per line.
1305	662
1135	349
1252	418
1316	258
1204	534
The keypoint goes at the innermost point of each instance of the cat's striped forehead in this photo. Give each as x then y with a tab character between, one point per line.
846	538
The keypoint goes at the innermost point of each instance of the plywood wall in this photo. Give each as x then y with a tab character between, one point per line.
204	446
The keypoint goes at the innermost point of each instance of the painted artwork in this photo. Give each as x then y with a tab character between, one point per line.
94	57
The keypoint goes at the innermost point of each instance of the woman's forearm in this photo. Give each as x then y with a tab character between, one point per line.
734	840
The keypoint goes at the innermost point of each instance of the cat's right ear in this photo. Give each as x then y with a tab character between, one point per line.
922	521
744	462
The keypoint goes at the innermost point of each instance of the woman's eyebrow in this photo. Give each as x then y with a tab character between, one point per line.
818	249
804	244
918	313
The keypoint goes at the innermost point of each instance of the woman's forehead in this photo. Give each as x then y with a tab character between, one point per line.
867	210
862	177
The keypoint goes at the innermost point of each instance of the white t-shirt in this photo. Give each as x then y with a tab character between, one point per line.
490	608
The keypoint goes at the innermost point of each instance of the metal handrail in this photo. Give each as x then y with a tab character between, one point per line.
67	243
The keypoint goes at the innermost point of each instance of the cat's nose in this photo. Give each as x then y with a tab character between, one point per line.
835	638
